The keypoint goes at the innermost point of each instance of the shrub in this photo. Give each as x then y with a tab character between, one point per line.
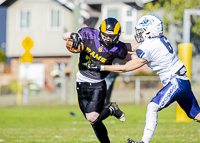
9	89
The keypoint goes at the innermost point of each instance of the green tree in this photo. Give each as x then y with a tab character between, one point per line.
173	10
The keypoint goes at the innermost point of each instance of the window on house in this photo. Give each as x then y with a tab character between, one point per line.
24	20
129	13
112	13
55	18
54	22
129	21
129	28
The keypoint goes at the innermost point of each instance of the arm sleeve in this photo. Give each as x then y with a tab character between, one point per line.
83	33
88	33
143	54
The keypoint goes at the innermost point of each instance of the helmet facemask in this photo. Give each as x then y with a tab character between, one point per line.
109	39
138	36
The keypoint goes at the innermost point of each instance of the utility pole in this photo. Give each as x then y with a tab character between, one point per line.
74	57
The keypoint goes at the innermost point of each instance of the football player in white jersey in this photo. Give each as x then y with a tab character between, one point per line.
156	51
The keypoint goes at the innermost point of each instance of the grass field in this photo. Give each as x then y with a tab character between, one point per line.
37	124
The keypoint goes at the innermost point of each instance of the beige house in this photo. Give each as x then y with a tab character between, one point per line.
126	11
44	22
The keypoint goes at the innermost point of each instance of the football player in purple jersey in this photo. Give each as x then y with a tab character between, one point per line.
156	51
101	46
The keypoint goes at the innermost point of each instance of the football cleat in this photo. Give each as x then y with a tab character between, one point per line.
117	112
132	141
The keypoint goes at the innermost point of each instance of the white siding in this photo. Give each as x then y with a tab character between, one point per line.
47	42
119	11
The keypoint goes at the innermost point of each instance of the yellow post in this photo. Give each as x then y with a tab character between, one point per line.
185	55
19	86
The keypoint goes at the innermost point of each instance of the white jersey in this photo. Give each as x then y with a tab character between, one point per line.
161	58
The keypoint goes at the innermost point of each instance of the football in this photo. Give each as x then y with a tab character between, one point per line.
69	47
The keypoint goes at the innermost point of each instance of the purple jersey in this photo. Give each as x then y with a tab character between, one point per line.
95	51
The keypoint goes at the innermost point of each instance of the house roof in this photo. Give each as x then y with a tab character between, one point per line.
114	1
89	2
6	2
90	9
2	1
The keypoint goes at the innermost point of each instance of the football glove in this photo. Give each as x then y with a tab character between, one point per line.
76	40
94	66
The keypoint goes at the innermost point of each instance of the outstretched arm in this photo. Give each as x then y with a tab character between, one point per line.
133	64
66	35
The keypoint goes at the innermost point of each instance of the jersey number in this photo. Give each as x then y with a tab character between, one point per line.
165	41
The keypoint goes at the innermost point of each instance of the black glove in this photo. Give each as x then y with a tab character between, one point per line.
76	40
94	66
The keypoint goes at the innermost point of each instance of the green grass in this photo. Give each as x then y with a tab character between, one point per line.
38	124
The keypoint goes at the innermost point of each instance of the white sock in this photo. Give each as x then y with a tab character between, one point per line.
151	122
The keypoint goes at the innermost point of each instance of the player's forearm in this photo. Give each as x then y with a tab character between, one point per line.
114	68
134	46
129	66
120	68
